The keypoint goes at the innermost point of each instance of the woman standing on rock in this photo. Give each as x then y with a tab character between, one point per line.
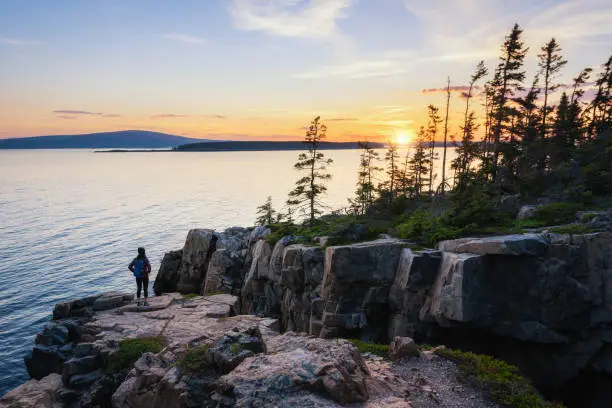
141	268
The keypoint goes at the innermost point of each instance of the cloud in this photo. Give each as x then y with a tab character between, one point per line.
458	88
341	120
65	117
214	116
76	112
357	70
290	18
111	115
17	41
184	38
168	115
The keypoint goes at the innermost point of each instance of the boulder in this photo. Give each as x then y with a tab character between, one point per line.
235	347
258	233
402	347
276	258
53	334
295	368
168	274
44	360
510	204
78	366
33	394
416	274
356	284
527	212
199	247
224	272
256	290
233	239
519	244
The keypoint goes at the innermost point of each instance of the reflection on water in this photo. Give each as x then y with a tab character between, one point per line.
70	221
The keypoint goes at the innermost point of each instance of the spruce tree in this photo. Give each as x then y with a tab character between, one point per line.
365	184
266	213
432	130
418	166
507	81
448	95
308	189
392	159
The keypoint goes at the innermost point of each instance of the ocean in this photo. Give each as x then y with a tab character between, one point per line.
71	220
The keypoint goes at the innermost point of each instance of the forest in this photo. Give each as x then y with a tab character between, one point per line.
540	142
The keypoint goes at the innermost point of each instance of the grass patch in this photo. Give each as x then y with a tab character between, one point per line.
130	350
588	217
378	349
236	348
573	229
195	359
191	295
557	213
500	380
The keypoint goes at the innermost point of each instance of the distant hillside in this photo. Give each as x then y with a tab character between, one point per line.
216	146
126	139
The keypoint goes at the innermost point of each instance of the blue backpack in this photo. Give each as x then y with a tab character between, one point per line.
139	267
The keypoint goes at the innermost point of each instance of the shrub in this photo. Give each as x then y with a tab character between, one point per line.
378	349
424	228
557	213
500	380
573	229
195	359
130	350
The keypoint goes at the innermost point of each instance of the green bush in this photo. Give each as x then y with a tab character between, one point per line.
424	228
573	229
130	350
502	381
378	349
557	213
195	359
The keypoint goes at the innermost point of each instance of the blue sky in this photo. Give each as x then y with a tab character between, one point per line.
262	68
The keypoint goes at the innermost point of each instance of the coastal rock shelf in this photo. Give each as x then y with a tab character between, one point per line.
209	357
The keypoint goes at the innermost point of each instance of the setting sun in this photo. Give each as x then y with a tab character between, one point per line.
403	137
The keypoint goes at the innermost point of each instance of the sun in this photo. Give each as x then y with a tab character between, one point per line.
403	137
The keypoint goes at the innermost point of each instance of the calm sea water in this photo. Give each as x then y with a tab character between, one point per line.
70	221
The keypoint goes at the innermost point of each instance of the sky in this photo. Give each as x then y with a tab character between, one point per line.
262	69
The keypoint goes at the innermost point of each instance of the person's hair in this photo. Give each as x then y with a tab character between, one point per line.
141	253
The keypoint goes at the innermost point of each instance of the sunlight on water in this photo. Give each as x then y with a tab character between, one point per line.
71	221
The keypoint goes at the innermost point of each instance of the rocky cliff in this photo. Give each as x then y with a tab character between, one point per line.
542	301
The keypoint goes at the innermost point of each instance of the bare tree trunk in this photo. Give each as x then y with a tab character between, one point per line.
448	95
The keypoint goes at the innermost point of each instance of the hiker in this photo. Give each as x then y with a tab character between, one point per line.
141	268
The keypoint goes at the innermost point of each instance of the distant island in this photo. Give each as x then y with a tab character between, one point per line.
263	146
124	139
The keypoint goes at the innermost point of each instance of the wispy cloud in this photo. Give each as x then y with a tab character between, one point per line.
111	115
291	18
184	38
76	112
342	120
459	88
66	117
221	117
17	41
168	116
357	69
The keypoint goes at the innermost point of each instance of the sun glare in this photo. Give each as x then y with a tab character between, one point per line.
403	137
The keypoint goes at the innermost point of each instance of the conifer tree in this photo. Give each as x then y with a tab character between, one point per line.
551	62
365	184
448	95
601	107
266	213
308	189
418	166
392	159
432	129
508	79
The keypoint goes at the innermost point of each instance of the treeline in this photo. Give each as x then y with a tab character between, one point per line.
523	144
